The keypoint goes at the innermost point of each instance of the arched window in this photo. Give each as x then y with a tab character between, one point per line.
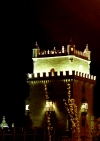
52	71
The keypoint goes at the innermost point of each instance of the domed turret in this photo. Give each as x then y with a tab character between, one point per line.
87	52
4	124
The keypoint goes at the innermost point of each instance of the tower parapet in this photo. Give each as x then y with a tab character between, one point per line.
62	75
37	53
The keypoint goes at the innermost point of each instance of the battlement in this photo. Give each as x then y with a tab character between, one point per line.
81	54
62	52
63	75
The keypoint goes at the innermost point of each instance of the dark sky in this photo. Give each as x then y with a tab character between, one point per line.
60	20
50	23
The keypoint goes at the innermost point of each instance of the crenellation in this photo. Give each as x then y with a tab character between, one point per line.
63	51
73	72
92	77
49	74
85	75
80	54
67	73
88	76
80	74
29	75
38	75
60	74
55	73
44	74
77	73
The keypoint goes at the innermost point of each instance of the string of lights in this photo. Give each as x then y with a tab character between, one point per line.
72	112
48	114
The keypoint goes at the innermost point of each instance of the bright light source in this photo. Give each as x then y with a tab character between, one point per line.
29	75
84	107
27	107
49	106
71	49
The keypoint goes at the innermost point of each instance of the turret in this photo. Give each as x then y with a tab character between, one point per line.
4	124
70	48
87	52
35	51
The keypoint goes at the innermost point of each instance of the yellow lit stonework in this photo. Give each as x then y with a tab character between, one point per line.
49	106
72	49
61	63
84	107
52	71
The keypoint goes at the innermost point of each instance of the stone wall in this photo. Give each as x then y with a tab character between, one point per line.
38	103
59	116
62	63
88	94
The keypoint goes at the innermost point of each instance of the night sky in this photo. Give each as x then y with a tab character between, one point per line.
50	23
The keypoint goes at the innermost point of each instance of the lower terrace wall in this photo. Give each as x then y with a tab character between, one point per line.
58	93
37	134
38	104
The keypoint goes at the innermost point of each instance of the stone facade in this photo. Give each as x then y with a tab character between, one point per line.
62	63
55	81
88	94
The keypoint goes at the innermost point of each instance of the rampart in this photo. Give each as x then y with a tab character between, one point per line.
63	52
62	75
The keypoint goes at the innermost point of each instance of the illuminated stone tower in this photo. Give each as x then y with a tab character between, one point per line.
67	59
52	71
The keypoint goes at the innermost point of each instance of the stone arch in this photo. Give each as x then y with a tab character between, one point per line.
52	71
